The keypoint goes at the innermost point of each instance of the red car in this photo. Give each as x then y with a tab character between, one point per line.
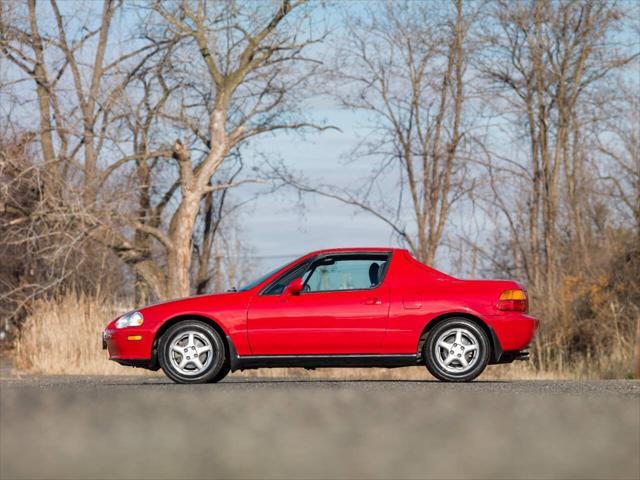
355	307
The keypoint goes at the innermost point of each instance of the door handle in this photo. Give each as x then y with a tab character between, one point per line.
373	301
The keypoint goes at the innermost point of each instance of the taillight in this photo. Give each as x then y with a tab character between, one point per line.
513	300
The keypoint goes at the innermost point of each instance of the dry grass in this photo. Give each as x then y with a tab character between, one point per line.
63	337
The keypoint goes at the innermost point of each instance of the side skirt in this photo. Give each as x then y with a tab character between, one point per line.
248	362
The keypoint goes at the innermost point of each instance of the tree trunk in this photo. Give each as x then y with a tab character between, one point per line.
217	272
202	275
637	350
43	91
142	291
154	277
179	255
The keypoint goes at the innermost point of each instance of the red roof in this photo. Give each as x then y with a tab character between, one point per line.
354	249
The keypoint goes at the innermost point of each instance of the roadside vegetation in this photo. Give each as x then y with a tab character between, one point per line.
501	139
63	336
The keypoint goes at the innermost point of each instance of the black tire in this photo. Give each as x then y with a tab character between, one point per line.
477	359
224	371
214	368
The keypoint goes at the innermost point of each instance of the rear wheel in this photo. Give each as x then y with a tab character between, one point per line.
224	371
456	350
193	352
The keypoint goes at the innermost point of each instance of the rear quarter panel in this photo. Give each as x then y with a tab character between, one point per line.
420	294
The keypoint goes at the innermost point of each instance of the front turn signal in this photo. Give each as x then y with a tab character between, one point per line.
513	300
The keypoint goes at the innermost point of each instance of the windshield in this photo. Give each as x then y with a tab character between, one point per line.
258	281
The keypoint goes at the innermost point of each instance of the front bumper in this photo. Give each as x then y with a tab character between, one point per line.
129	343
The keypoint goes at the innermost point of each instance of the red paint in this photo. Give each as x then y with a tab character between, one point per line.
349	322
387	319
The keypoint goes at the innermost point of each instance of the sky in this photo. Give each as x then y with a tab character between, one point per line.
277	227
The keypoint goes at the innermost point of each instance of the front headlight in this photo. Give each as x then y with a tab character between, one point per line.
133	319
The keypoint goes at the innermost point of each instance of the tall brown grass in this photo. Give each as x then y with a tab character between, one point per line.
62	336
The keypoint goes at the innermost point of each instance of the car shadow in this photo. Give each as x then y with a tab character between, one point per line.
293	381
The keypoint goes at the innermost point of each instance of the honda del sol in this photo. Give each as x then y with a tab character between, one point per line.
349	307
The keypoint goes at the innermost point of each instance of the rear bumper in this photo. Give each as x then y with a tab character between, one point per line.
514	330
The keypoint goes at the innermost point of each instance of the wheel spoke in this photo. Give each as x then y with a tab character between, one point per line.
184	362
178	349
190	342
449	359
470	348
458	336
201	350
197	363
463	361
445	345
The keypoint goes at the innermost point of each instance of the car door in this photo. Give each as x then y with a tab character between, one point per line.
343	308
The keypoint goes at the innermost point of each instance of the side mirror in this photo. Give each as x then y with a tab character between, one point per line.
294	288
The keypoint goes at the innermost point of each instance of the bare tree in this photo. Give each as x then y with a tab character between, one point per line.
545	59
242	65
41	235
549	67
78	86
217	74
618	140
138	116
66	130
42	251
403	66
216	213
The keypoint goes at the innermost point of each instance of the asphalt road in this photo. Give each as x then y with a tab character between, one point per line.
130	427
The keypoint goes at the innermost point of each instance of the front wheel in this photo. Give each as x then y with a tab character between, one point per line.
456	350
192	352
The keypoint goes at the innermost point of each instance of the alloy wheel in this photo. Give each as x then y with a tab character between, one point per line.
191	352
457	350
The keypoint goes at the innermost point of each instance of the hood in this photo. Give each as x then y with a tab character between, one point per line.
181	303
203	305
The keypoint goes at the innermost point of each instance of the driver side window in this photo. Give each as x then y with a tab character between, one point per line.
346	273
